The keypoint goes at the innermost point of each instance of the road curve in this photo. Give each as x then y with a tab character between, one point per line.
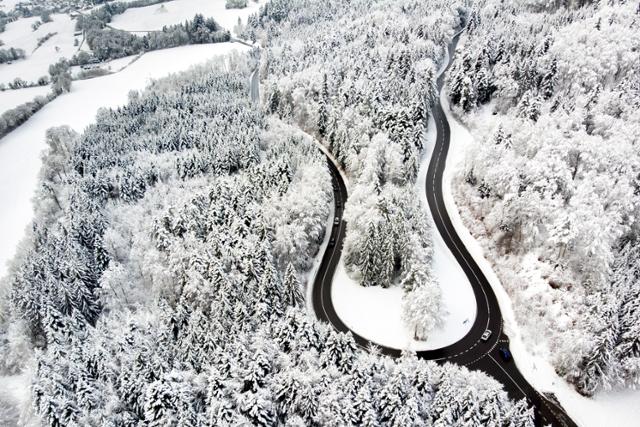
470	351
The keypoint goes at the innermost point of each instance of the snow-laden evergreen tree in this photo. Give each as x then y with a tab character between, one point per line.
292	289
421	309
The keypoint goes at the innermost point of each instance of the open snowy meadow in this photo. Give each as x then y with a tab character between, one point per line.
38	58
13	97
153	18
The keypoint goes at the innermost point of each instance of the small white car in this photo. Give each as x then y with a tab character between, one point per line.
486	335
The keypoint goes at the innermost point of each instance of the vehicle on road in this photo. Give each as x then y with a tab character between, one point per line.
504	353
332	242
336	220
486	335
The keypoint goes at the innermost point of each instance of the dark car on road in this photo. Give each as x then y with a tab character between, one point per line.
504	353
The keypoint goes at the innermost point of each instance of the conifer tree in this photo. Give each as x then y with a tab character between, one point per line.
293	293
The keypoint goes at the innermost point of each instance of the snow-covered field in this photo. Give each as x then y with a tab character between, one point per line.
36	64
12	98
20	150
153	18
7	5
376	313
621	408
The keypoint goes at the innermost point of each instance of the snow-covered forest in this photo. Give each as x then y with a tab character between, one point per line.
551	94
160	282
164	278
360	76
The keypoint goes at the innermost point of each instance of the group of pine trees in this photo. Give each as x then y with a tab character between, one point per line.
614	356
554	175
363	85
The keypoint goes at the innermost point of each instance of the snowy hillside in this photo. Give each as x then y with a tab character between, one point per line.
12	98
36	64
153	18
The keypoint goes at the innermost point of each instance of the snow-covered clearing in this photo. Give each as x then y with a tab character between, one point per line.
376	313
14	397
12	98
36	64
620	408
153	18
20	150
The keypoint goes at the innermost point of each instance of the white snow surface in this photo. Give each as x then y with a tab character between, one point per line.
617	408
375	313
12	98
8	5
20	151
14	389
18	34
153	18
15	396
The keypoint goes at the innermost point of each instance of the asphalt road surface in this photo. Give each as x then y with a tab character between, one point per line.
471	351
255	94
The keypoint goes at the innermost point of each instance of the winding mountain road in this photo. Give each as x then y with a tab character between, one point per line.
471	351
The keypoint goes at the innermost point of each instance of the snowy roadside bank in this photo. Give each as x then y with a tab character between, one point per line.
20	151
15	394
